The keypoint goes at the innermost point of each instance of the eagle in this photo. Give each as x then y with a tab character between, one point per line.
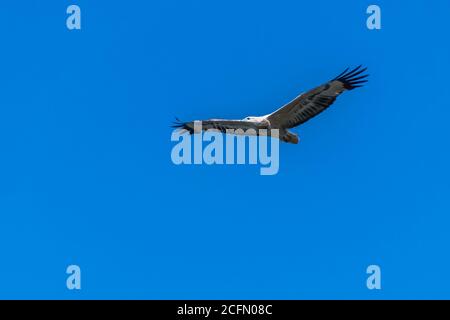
304	107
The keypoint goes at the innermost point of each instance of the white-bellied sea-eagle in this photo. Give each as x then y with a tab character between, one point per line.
301	109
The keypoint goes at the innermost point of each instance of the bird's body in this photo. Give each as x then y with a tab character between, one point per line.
294	113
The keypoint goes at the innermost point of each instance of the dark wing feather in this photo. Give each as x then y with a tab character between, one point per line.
221	125
313	102
178	124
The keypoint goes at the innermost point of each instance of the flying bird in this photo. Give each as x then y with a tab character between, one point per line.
306	106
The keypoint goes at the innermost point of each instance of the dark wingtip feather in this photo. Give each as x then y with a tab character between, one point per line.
353	79
178	124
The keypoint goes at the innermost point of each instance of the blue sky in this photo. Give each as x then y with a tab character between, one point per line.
86	176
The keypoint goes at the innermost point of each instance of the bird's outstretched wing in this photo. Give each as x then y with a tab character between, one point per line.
313	102
221	125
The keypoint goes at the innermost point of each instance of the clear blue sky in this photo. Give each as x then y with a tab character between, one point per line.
86	176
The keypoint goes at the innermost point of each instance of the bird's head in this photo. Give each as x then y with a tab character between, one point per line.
254	119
